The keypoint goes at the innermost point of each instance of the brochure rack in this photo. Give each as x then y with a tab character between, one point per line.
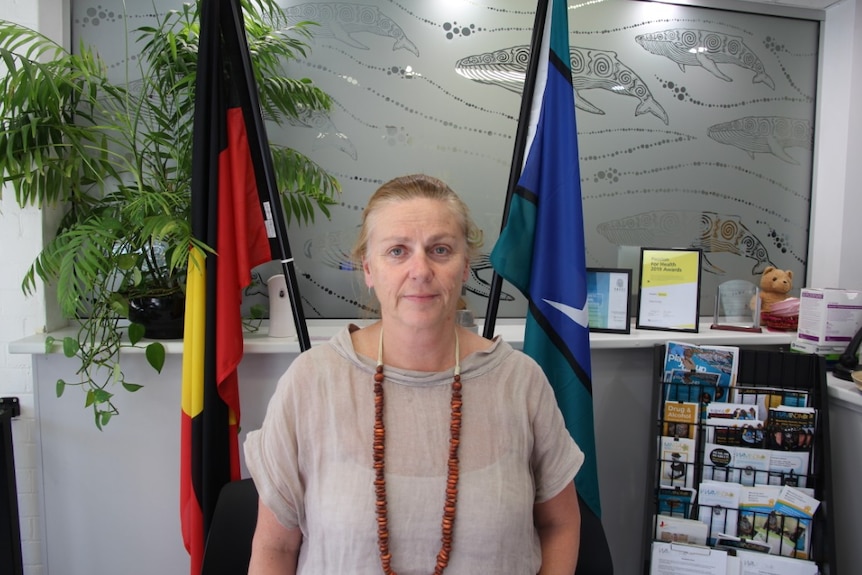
793	375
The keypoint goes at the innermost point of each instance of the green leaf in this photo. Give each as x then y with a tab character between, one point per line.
90	399
60	387
132	386
136	332
257	311
105	417
101	395
126	262
70	346
49	343
156	355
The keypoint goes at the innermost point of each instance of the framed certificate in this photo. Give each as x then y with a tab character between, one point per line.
608	298
669	294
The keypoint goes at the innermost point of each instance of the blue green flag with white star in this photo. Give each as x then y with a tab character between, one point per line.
541	247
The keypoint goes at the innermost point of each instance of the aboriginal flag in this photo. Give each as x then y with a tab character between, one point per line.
228	216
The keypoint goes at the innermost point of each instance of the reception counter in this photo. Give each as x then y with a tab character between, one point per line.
110	499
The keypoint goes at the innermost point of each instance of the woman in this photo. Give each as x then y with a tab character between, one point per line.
414	445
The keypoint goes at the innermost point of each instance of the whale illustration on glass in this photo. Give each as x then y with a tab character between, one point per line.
707	49
765	135
591	69
343	21
708	231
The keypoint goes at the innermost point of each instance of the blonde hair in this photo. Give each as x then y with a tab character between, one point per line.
412	187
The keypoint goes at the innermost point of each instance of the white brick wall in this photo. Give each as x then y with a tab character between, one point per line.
20	240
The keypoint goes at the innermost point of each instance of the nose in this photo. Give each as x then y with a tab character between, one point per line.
420	266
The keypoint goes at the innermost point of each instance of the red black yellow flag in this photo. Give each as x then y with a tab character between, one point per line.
227	215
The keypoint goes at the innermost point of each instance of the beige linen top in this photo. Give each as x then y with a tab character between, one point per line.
312	461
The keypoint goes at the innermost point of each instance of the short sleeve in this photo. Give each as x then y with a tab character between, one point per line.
556	457
272	452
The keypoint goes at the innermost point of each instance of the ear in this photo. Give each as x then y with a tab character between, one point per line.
366	271
768	269
789	275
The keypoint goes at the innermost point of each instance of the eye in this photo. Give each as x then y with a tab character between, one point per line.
441	250
396	251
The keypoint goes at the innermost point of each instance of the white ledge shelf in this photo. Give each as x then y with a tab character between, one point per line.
512	330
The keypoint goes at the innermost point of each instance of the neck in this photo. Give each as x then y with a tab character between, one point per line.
419	350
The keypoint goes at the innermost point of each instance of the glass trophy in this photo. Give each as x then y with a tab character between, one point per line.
737	306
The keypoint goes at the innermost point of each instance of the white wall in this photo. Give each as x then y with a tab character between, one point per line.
835	231
20	241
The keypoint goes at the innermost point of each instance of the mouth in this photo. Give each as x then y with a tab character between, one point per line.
420	297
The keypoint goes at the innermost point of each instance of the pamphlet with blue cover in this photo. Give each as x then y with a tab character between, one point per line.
710	370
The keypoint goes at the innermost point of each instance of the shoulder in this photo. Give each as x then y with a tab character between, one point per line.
334	354
505	365
472	342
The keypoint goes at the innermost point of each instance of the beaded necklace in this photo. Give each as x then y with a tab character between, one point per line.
380	466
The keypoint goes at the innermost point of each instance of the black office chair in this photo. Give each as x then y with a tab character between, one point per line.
595	554
228	546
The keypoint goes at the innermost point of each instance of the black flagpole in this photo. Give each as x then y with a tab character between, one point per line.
518	154
272	207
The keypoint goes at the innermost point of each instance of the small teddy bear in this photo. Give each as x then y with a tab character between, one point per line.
775	285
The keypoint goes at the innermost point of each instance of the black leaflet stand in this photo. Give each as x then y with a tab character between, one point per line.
10	528
791	372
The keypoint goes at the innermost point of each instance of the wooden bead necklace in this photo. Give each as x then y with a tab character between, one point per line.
380	466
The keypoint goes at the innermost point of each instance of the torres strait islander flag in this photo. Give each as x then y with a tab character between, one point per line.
227	215
541	247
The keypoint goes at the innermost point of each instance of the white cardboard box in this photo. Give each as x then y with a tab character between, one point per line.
816	348
828	317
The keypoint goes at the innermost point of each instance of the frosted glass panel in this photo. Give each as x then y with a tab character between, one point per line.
695	127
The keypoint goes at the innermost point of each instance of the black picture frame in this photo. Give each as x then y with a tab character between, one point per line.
609	298
669	290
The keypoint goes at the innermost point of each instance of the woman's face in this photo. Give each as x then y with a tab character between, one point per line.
416	261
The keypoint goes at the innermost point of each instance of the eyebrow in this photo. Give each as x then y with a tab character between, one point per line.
432	239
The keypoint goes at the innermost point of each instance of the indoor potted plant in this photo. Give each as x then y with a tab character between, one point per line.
116	156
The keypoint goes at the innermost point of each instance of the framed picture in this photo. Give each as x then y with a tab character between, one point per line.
669	292
608	298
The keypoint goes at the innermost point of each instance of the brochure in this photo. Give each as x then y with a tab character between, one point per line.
791	428
729	542
718	505
765	397
693	386
678	530
675	500
718	359
755	505
738	464
702	373
788	468
677	558
734	411
742	433
796	510
751	465
751	563
677	461
680	419
717	462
